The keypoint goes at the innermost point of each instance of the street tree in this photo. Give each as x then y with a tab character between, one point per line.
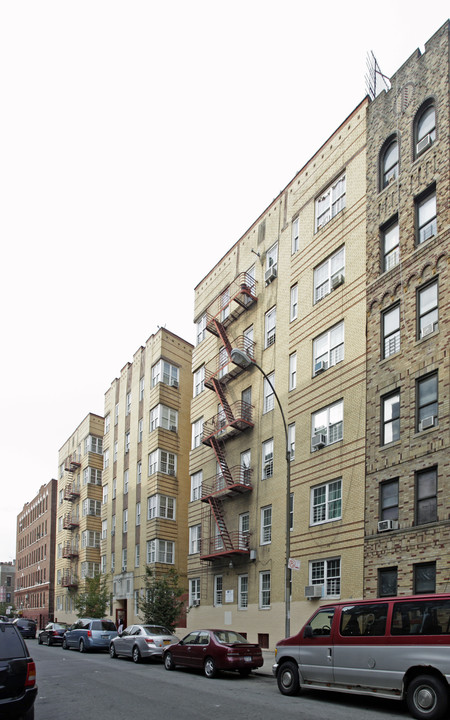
93	601
161	604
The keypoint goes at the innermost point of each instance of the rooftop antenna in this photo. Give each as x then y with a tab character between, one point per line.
373	73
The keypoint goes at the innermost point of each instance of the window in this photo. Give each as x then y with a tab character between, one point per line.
264	590
272	258
137	555
390	238
104	529
128	403
162	461
266	525
196	485
124	559
425	128
107	423
387	582
116	413
195	538
327	425
140	429
199	381
294	302
126	476
113	525
161	551
89	569
201	329
391	331
326	502
165	372
242	592
291	440
295	235
90	539
328	574
138	513
106	458
125	521
427	309
270	321
218	589
194	591
162	506
364	619
164	417
92	507
115	450
139	472
329	275
244	530
197	433
426	496
293	371
426	216
114	488
424	578
328	348
390	420
267	459
141	388
427	402
103	564
269	397
389	500
127	442
93	444
389	162
330	203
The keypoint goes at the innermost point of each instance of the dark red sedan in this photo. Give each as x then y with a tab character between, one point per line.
214	650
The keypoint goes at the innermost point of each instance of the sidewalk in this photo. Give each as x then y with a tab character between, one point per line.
269	659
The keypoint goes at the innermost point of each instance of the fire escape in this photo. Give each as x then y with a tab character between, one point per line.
70	521
232	419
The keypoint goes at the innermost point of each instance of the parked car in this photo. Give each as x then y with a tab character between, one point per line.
18	687
142	641
26	627
90	634
214	650
53	633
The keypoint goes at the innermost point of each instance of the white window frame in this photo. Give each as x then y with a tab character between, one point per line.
324	500
329	421
140	429
161	506
243	592
124	559
91	507
391	339
197	433
127	441
391	245
139	472
324	274
160	551
218	590
107	423
126	477
162	461
330	202
196	485
272	257
162	416
294	302
201	329
125	520
264	589
426	209
268	394
137	555
267	459
266	525
128	403
138	513
199	380
292	371
291	440
141	388
113	561
194	591
165	372
195	539
295	230
105	458
329	347
270	326
323	572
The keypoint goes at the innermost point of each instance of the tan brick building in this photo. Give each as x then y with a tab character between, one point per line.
78	513
146	470
291	294
35	556
408	294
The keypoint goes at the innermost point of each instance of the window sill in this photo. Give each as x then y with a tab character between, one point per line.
387	446
419	433
389	357
421	340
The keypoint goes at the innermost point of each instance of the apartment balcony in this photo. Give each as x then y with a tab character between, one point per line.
69	581
236	419
235	481
237	545
221	368
233	300
70	522
69	551
71	493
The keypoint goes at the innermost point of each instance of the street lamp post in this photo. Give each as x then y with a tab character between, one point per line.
240	358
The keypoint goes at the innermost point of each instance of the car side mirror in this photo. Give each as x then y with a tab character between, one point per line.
308	632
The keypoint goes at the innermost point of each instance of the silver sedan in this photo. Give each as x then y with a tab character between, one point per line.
141	641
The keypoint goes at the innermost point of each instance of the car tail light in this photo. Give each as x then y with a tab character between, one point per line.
31	675
89	633
150	641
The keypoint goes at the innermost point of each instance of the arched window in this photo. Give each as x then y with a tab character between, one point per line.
389	162
425	128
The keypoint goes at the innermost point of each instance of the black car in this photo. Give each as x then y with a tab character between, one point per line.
26	627
52	634
18	687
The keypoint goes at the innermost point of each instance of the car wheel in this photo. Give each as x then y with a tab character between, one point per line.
39	640
48	643
136	655
209	668
168	661
287	678
112	651
82	646
427	697
64	644
244	672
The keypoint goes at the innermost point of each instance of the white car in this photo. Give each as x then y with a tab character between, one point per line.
142	641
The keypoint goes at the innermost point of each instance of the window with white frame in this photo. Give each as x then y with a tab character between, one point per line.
140	429
194	591
164	417
115	450
141	388
264	590
125	520
127	442
328	423
116	413
103	564
390	236
244	530
326	502
329	274
295	235
90	539
104	529
139	472
242	592
272	257
196	485
113	525
107	423
292	371
330	202
105	494
106	458
162	461
89	569
93	444
218	590
201	328
113	561
270	322
266	525
246	464
427	309
91	507
425	127
114	488
294	302
197	433
328	348
267	459
137	555
138	513
269	397
162	506
126	476
195	539
389	162
166	373
128	403
92	476
291	440
390	331
328	574
124	559
199	381
426	215
160	551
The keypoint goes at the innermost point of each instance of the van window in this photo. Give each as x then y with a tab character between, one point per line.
321	623
368	620
421	617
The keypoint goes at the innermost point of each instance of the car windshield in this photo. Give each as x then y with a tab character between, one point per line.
60	626
228	636
156	630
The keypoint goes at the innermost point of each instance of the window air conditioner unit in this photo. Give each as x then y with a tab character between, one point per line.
195	603
252	555
173	428
174	383
428	329
424	143
337	280
318	441
171	472
270	274
320	366
427	422
313	591
385	525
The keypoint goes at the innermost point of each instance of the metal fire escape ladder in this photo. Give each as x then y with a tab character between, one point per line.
219	452
216	508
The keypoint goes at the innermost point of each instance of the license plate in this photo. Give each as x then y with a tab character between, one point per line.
248	658
166	642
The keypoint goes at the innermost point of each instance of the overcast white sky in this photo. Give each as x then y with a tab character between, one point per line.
138	141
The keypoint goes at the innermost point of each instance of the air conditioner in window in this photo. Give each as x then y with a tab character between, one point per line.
428	329
424	143
313	591
320	366
318	441
337	280
385	525
195	603
171	472
174	383
270	274
173	428
426	422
